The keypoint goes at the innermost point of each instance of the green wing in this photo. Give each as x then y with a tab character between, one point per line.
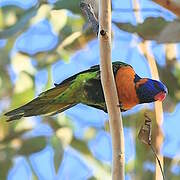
86	86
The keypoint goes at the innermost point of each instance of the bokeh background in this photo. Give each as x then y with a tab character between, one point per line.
42	43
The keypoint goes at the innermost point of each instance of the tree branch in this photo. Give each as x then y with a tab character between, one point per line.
108	82
110	92
144	48
171	5
158	108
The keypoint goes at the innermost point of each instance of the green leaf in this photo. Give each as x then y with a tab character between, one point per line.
58	151
92	178
171	33
32	145
6	156
151	28
148	30
5	166
72	5
5	88
14	135
54	124
20	24
81	146
157	29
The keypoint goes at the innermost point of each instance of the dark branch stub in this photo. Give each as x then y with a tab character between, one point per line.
103	32
89	12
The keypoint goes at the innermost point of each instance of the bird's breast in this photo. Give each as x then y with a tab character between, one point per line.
126	87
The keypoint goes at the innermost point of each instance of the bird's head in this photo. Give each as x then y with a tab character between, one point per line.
149	90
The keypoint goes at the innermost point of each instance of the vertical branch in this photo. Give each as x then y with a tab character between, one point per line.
110	92
144	47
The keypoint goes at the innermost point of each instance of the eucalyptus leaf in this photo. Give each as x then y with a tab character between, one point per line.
4	87
32	145
4	168
14	135
54	124
171	33
58	151
92	178
157	29
81	146
20	24
72	5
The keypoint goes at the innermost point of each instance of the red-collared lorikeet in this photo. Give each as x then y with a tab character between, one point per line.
85	87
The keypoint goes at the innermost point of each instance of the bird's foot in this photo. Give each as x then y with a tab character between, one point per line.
119	105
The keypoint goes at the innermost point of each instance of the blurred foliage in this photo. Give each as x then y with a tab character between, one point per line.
72	36
72	5
158	29
20	23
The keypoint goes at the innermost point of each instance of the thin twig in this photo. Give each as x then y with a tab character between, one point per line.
159	162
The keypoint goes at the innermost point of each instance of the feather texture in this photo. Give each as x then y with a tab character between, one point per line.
45	103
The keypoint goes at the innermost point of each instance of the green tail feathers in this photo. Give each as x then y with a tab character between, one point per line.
46	103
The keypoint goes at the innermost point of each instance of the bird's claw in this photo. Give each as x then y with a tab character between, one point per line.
119	105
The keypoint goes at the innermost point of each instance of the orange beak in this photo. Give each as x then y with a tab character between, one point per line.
160	96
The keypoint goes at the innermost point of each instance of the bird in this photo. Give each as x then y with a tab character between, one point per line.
85	87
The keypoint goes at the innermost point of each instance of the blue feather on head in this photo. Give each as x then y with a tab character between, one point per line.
149	90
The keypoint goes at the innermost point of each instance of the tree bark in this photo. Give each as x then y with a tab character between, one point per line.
110	92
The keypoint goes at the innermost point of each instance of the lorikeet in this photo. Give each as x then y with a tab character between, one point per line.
85	87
